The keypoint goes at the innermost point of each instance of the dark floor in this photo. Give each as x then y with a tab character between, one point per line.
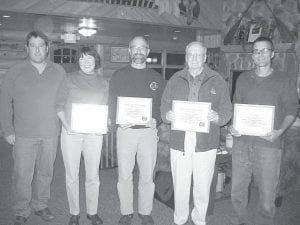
287	214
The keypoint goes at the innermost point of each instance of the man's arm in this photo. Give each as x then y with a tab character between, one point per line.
112	100
166	102
157	101
6	103
289	99
225	106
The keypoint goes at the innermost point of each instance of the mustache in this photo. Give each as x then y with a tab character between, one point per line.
139	55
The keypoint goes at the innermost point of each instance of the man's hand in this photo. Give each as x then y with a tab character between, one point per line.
126	126
233	131
11	139
213	116
170	116
272	136
151	123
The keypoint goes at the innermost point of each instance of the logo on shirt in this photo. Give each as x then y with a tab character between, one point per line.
154	86
213	91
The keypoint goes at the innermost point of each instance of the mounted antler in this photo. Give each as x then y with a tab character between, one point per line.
190	8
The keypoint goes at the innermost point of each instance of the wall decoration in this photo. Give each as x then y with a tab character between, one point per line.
254	32
119	54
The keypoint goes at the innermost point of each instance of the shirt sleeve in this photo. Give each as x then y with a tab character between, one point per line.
289	98
112	99
225	106
6	102
62	94
166	101
157	102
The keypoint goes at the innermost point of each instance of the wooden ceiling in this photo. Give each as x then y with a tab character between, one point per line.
114	18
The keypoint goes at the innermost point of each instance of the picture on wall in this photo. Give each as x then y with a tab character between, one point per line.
119	54
254	32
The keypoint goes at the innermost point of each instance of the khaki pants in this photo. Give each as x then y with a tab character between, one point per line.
72	147
201	166
141	143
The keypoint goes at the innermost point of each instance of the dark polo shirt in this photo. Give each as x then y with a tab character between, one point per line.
141	83
28	100
277	89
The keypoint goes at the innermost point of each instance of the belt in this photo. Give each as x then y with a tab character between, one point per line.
139	127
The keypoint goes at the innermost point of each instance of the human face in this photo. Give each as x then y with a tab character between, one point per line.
139	51
37	50
262	54
195	56
87	64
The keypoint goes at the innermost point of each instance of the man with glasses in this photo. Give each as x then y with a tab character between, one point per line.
260	157
136	80
193	154
28	104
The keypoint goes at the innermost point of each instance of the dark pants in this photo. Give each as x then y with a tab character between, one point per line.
28	154
264	164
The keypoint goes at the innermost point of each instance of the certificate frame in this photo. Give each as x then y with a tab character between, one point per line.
133	110
89	118
186	117
253	120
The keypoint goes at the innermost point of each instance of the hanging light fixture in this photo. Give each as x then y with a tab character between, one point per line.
87	27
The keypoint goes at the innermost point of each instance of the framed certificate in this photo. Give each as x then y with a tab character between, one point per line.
89	118
133	110
191	116
253	120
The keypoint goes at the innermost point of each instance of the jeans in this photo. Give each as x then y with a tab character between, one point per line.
264	164
140	144
72	146
32	155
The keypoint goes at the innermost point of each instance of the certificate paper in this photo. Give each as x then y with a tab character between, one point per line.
89	118
134	110
191	116
253	120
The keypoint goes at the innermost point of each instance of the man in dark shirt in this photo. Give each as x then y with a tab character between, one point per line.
136	81
29	122
261	156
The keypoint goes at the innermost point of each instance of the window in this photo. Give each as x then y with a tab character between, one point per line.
64	55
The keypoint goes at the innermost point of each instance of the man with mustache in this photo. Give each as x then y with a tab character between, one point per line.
136	80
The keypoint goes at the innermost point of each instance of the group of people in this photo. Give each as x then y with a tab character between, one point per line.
36	94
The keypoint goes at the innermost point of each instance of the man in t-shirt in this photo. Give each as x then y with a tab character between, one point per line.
136	80
260	156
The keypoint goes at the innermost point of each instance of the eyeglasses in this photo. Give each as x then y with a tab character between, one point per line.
141	49
261	51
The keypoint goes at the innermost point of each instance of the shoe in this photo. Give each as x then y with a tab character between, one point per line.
146	219
45	214
74	220
95	219
20	220
126	219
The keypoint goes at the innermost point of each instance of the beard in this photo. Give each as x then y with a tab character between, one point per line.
139	58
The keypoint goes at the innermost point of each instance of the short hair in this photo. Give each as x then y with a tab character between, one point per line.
195	43
36	34
92	52
264	39
139	37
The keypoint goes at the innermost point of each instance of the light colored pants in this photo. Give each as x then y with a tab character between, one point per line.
143	144
30	154
72	147
184	165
